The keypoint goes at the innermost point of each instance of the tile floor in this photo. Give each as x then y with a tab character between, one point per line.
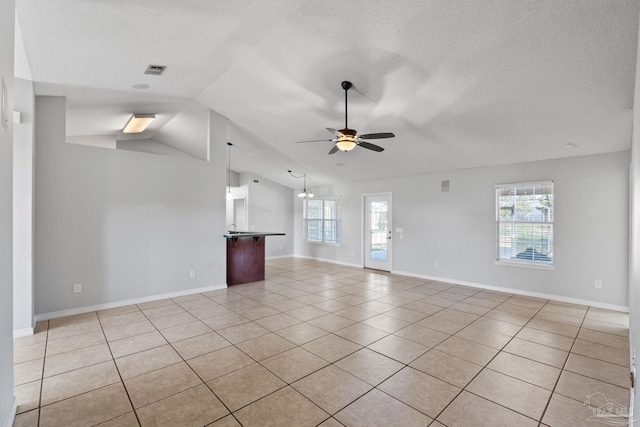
318	344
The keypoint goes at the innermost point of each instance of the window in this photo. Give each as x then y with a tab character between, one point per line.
322	220
524	215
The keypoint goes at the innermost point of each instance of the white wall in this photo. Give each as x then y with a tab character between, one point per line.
458	228
123	224
7	409
23	165
148	146
270	208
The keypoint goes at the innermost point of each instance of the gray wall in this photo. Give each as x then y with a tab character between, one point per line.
458	228
23	166
6	223
123	224
270	208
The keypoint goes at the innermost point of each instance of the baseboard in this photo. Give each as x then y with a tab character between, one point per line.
11	416
554	297
278	257
24	332
346	264
87	309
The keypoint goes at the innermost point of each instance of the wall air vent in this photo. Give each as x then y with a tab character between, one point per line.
155	70
444	186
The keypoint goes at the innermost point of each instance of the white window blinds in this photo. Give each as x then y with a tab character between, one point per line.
321	220
524	214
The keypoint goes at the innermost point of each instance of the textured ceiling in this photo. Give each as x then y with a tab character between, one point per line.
461	83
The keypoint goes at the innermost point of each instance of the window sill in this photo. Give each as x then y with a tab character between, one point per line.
310	242
525	264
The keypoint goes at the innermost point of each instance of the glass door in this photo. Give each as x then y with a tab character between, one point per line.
377	233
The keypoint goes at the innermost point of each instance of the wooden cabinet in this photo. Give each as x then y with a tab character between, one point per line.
245	259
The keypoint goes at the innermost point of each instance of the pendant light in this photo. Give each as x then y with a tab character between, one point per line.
304	193
229	195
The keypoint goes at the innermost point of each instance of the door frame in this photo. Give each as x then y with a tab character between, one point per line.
363	232
634	295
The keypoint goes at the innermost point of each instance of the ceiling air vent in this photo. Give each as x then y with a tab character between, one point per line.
155	70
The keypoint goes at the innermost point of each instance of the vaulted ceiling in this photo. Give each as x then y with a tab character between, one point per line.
462	83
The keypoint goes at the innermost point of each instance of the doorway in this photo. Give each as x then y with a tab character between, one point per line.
239	214
377	231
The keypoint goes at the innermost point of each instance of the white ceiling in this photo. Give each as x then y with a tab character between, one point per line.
462	83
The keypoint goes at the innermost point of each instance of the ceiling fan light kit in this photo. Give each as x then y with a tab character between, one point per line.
347	139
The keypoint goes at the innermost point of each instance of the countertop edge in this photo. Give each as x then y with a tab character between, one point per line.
251	234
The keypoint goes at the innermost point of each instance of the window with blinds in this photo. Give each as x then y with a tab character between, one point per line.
322	220
524	214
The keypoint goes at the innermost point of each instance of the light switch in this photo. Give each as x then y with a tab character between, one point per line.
399	230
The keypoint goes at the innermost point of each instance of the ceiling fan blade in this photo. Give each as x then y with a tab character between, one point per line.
333	131
377	135
334	149
315	140
369	146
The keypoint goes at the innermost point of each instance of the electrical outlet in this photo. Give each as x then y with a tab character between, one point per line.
77	288
598	284
192	274
436	264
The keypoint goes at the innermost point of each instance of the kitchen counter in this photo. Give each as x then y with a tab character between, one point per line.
236	234
245	256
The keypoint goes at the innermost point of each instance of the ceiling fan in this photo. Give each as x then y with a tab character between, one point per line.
347	139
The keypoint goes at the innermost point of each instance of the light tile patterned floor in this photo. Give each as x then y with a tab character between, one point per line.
321	344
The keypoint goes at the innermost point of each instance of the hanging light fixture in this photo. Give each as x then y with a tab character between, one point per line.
229	195
304	193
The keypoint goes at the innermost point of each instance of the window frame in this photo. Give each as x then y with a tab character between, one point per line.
337	221
527	263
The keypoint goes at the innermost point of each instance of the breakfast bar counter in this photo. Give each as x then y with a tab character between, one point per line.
245	256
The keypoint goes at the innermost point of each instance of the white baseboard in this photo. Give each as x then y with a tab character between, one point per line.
80	310
11	416
346	264
278	257
17	333
554	297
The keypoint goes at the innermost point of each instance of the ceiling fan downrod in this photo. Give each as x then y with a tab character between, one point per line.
346	85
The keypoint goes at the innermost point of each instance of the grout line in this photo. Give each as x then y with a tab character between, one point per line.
487	364
44	358
133	408
563	366
366	284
